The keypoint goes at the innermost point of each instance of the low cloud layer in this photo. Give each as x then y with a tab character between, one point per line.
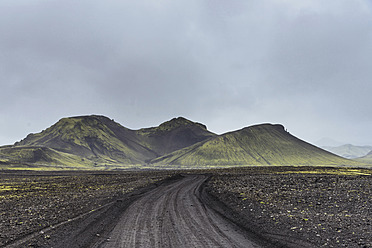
227	64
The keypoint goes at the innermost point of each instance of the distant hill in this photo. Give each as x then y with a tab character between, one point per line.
349	151
264	144
96	141
366	159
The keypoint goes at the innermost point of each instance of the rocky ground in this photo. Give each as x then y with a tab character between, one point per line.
326	207
33	201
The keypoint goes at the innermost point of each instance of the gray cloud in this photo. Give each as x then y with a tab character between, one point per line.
227	64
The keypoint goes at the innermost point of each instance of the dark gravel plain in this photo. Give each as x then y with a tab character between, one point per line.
326	207
33	201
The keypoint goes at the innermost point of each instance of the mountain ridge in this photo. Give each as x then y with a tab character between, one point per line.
349	151
93	137
99	142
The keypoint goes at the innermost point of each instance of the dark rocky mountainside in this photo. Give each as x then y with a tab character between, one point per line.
173	135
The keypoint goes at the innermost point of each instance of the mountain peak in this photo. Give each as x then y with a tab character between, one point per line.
179	122
174	134
87	118
261	128
93	137
278	127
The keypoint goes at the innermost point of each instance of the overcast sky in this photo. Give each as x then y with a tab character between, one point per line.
225	63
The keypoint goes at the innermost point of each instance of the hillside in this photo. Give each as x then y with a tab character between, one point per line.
40	157
366	159
96	138
97	141
173	135
349	151
264	144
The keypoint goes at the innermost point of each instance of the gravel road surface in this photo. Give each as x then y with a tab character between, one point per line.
172	215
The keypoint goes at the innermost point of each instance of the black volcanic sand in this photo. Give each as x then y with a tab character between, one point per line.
325	207
34	201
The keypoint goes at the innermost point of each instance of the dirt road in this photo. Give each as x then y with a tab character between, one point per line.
172	215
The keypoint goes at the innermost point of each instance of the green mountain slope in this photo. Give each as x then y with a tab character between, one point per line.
40	156
98	141
264	144
96	138
349	151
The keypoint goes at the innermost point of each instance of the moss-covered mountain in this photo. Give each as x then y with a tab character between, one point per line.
37	157
97	140
264	144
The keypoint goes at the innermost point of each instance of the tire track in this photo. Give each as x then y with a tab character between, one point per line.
174	216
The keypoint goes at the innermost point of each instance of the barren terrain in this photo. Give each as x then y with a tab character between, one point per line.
326	207
33	202
260	206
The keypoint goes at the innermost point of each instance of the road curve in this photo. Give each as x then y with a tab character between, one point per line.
173	216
